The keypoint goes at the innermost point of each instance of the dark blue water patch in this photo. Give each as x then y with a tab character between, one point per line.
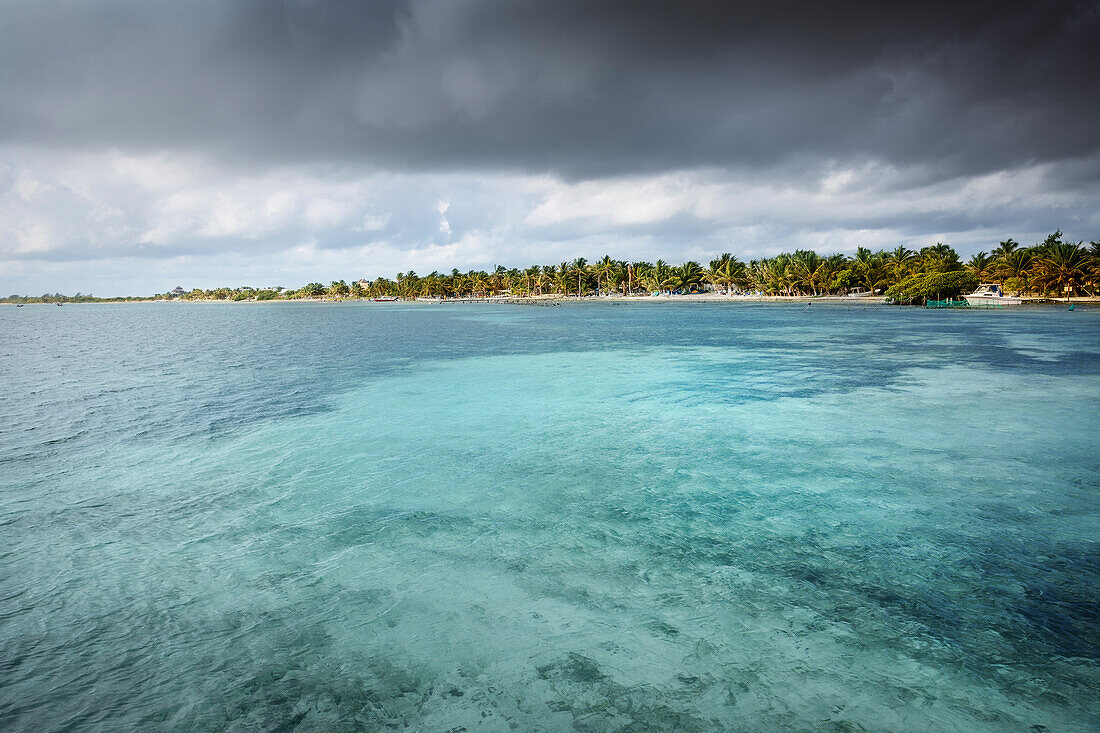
1066	626
1060	603
1038	600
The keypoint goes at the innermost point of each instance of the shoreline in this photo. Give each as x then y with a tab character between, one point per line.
551	299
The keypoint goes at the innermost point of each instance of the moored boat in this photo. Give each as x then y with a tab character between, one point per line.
991	293
385	299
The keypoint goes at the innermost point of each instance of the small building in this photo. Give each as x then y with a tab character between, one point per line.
177	291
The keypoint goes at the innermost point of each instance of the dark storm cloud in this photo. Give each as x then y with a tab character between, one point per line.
578	89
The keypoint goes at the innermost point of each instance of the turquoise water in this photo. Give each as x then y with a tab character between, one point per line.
593	517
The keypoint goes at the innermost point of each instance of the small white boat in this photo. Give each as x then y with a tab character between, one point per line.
860	293
385	299
991	293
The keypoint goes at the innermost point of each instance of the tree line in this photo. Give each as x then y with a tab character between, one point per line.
1052	267
60	298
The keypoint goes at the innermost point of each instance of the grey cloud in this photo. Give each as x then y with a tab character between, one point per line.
577	89
214	140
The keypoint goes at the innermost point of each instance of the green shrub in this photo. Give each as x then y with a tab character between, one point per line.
933	286
843	280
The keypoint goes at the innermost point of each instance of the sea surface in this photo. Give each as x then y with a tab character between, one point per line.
598	517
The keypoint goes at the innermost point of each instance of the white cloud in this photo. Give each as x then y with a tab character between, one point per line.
140	224
441	207
372	223
631	201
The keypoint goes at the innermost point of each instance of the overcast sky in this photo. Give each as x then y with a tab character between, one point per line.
150	143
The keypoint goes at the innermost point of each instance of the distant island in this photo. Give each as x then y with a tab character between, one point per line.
1051	268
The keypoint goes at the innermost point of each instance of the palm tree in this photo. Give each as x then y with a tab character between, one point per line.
638	272
1052	239
939	249
654	277
618	277
663	275
439	285
1064	267
1015	268
580	265
739	273
478	282
689	275
901	255
827	271
771	274
313	290
530	278
873	271
803	264
603	270
543	278
562	278
981	264
408	284
501	279
939	258
1005	248
1094	256
718	274
900	260
457	283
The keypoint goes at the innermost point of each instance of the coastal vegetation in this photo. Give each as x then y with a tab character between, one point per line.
1051	268
924	286
59	298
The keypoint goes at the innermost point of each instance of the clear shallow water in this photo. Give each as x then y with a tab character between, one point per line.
595	517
